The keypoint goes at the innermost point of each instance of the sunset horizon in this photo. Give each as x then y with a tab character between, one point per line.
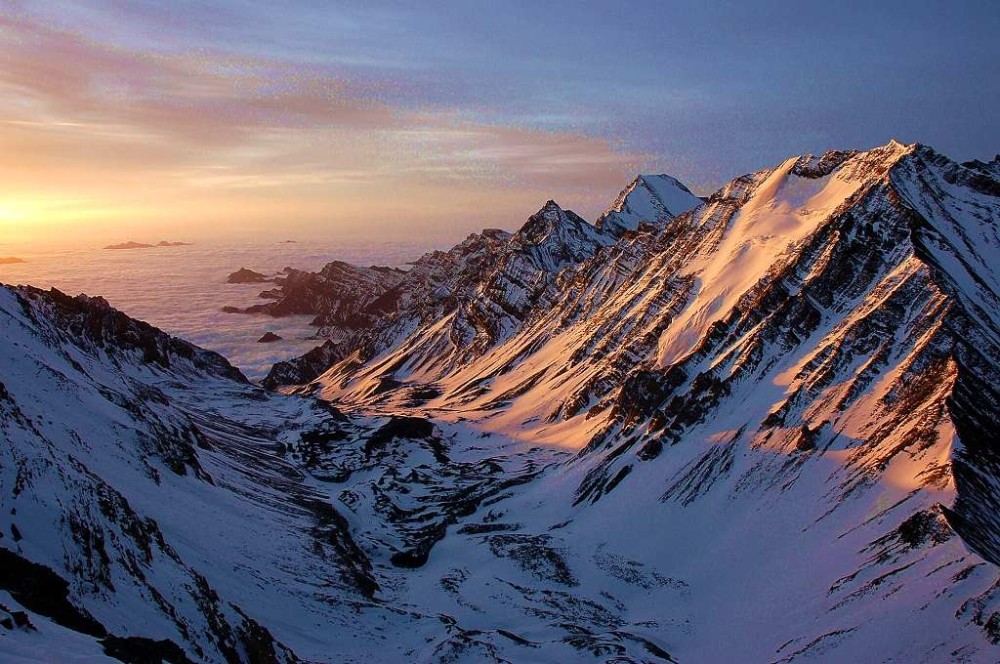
466	332
125	120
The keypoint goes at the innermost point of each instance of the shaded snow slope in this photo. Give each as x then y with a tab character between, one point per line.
164	521
764	429
650	199
822	332
154	504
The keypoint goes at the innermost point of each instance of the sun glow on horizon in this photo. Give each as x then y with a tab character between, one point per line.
126	119
102	143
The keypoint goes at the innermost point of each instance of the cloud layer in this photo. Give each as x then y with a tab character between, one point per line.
378	117
112	137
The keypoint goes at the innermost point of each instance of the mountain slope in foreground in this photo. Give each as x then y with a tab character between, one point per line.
764	429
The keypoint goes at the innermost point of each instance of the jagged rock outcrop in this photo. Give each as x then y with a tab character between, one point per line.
340	296
649	199
304	368
245	276
558	444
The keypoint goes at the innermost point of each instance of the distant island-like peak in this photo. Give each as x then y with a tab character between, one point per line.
142	245
245	276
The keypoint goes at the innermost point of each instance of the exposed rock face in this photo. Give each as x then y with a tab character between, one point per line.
305	368
991	168
649	199
245	276
563	443
269	337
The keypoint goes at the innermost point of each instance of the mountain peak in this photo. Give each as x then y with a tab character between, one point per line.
658	179
558	237
893	151
551	210
549	217
652	199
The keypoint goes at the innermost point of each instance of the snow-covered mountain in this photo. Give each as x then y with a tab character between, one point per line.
760	429
825	329
464	300
473	296
649	199
133	510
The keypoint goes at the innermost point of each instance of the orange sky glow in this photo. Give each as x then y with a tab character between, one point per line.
101	143
244	119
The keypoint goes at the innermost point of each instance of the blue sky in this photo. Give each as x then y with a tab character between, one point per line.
702	90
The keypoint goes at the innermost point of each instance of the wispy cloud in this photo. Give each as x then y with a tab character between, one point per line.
115	124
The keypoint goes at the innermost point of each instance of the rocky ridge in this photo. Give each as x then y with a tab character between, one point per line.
558	444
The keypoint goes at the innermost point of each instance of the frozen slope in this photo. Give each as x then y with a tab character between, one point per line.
808	361
649	199
661	458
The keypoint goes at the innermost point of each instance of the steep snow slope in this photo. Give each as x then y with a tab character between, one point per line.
792	461
651	199
473	296
820	334
163	520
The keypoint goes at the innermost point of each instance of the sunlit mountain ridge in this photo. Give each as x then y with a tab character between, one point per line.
756	427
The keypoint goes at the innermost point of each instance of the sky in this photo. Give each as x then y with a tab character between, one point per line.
187	120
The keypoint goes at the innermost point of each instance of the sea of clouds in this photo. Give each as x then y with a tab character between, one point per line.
182	290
